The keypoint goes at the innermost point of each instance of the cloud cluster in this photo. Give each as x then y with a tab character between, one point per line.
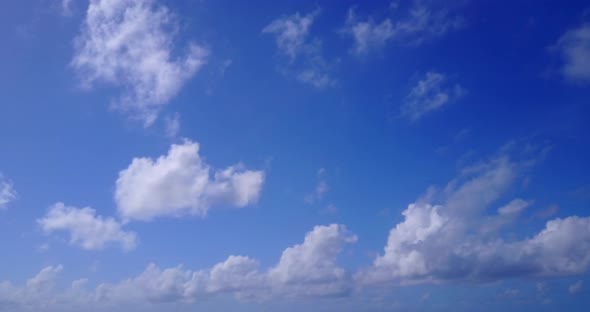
181	183
7	192
460	240
130	44
177	184
304	270
308	269
85	228
422	20
429	94
453	234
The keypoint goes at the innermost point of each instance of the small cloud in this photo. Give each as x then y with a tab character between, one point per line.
7	192
414	25
172	125
575	287
331	209
574	47
43	247
321	189
86	229
513	208
429	94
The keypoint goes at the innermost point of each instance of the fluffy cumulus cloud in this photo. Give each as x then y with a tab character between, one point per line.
308	269
292	36
459	239
429	94
574	47
85	228
181	183
7	192
417	22
130	44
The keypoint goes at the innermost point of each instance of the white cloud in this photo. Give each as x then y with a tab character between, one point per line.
181	183
574	47
293	40
367	34
446	242
85	228
430	94
575	287
130	44
304	270
45	279
418	23
7	192
39	293
236	274
152	285
291	32
310	268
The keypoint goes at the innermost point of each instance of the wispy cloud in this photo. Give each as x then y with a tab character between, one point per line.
7	192
574	47
429	94
293	40
420	21
320	190
172	125
129	44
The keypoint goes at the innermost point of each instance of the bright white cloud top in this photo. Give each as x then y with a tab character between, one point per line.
182	183
130	44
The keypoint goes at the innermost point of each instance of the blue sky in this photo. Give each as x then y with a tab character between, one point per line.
327	156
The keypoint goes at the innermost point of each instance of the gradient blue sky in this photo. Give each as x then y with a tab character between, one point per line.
296	155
